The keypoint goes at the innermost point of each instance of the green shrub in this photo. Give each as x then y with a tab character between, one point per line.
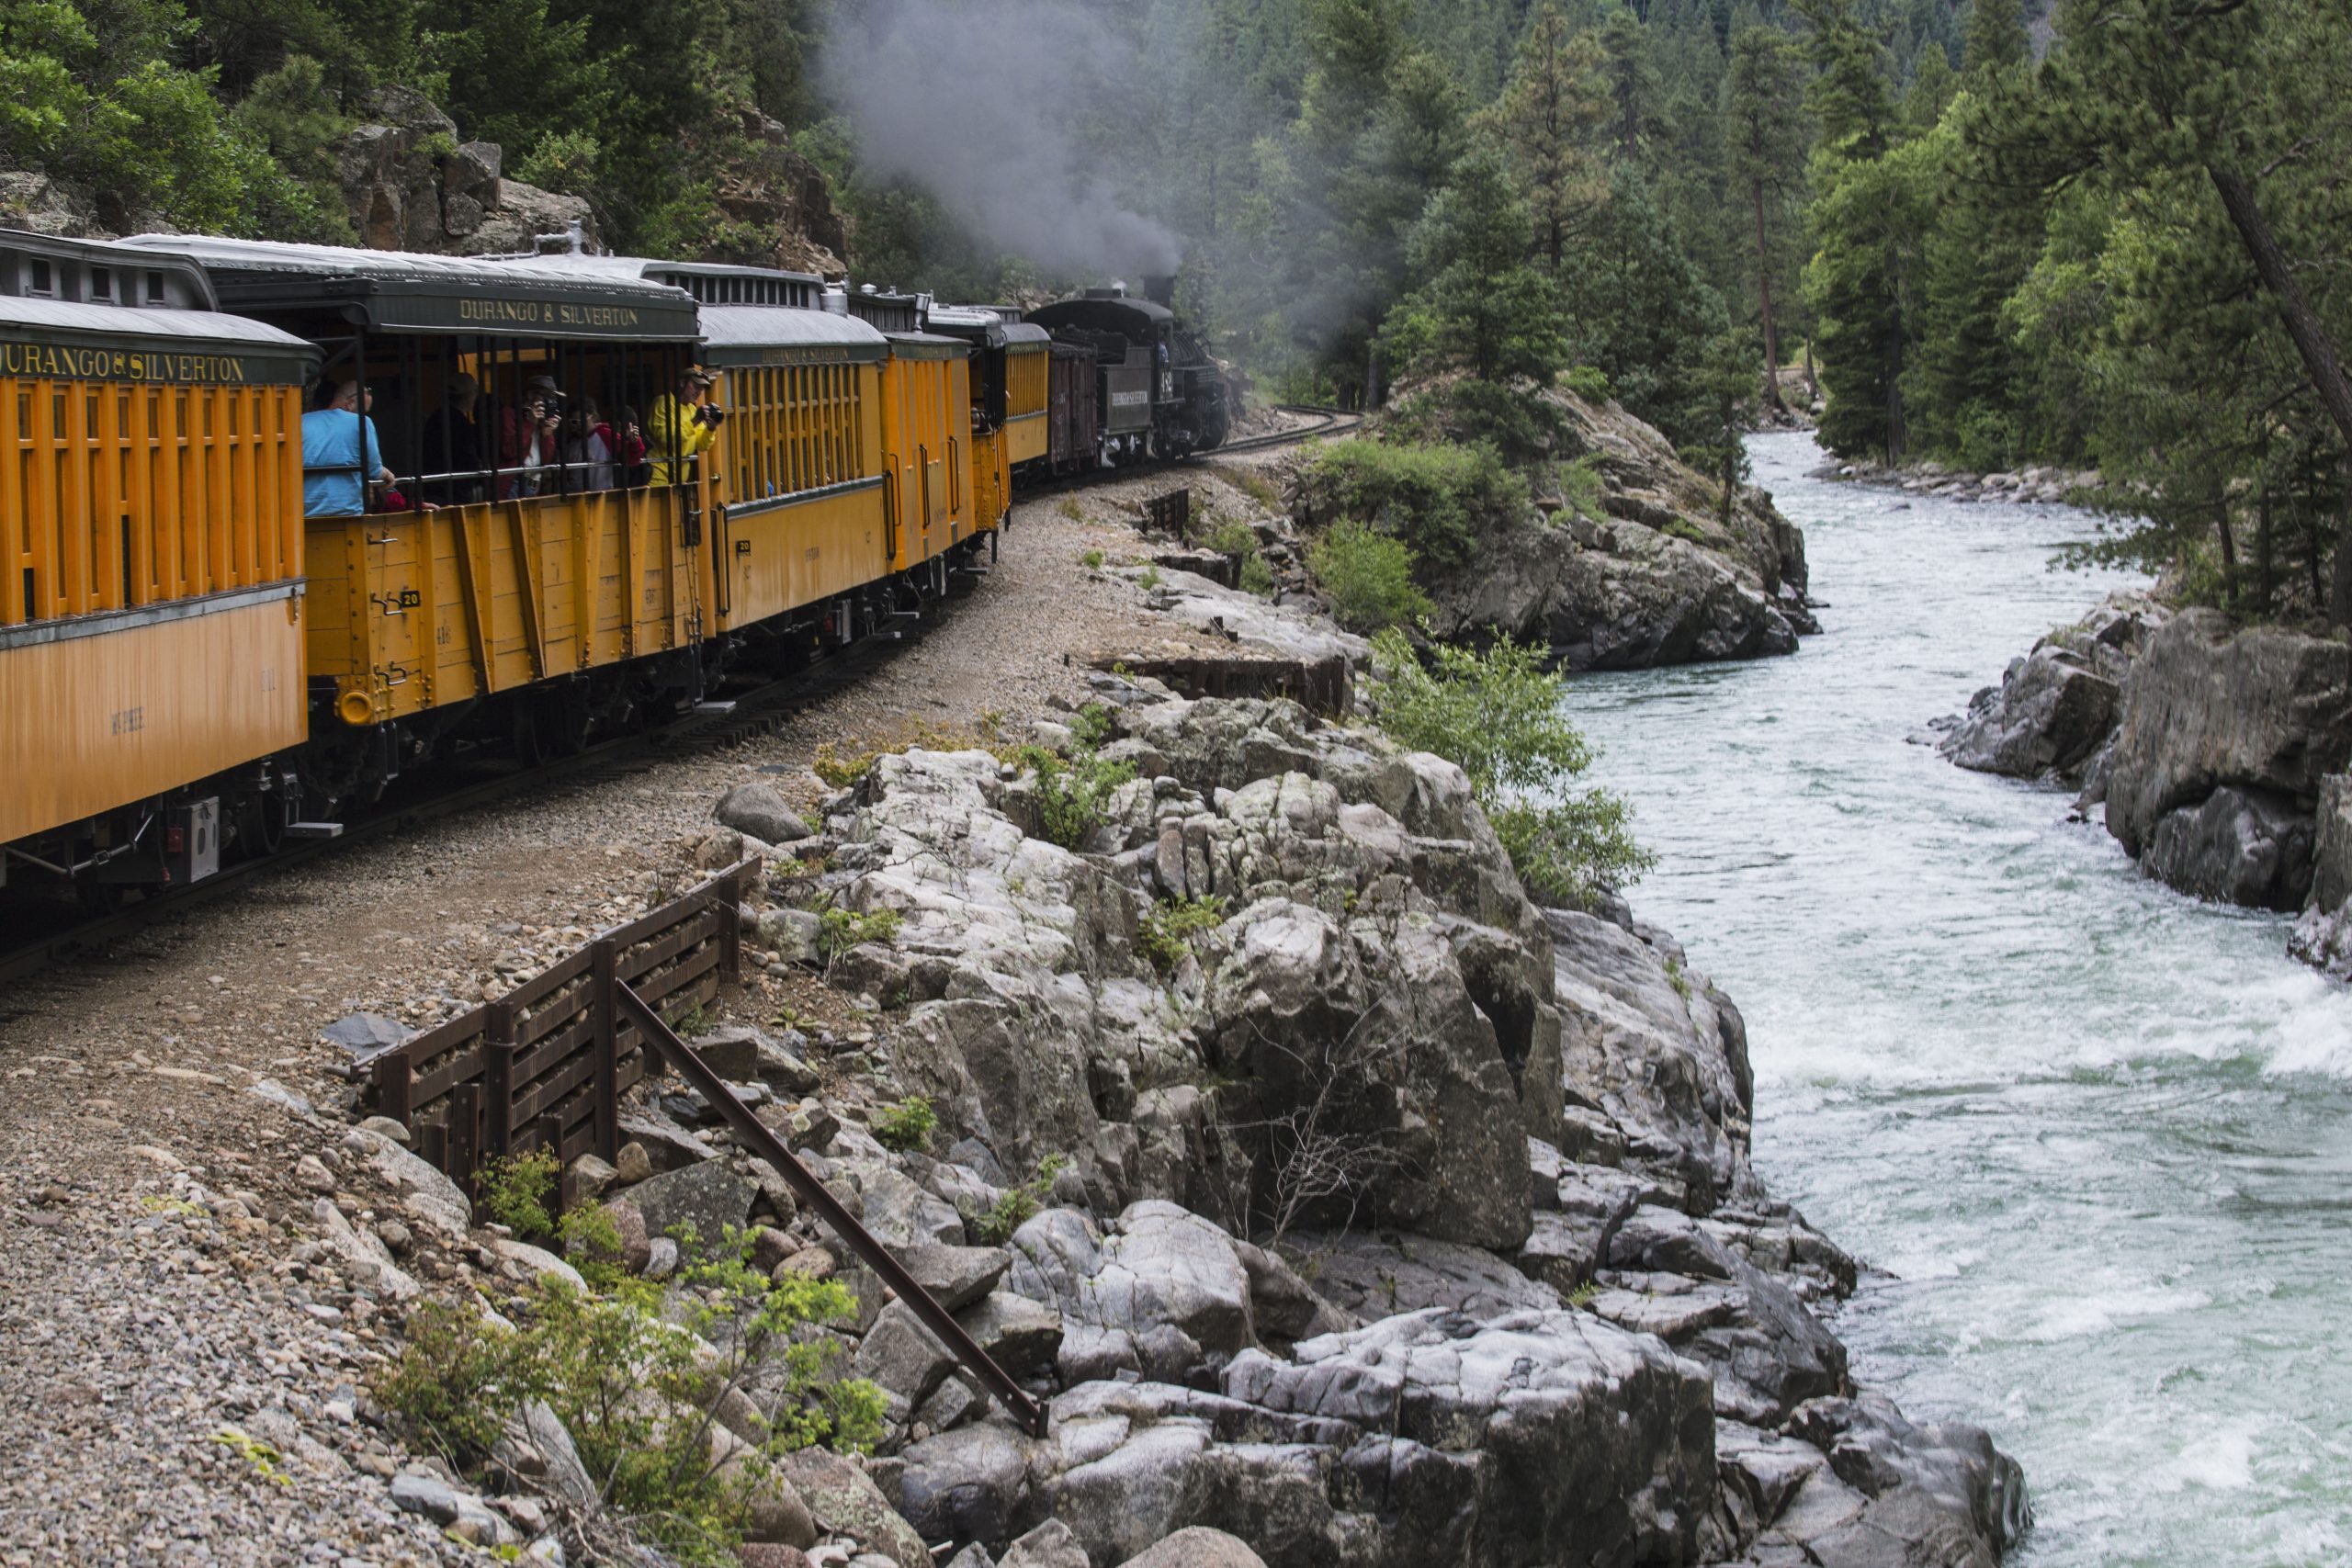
1071	792
1442	500
1588	382
1496	714
1257	487
1091	559
519	1192
1150	580
1166	935
629	1374
1369	577
1018	1206
1257	577
1232	538
907	1127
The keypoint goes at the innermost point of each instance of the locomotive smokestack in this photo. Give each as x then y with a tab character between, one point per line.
1160	287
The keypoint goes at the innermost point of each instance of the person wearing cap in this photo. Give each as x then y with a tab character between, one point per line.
683	424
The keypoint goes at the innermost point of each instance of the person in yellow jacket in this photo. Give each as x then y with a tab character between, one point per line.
683	423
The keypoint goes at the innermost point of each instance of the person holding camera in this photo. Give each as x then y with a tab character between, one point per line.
528	438
683	425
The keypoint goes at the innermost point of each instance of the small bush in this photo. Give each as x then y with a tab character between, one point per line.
1091	559
1150	580
1442	500
1684	529
519	1192
1092	726
1072	510
1073	792
907	1127
840	769
1166	935
1019	1205
1257	577
1581	487
1496	714
455	1380
1369	577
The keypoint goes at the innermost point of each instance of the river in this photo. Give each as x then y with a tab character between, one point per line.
2092	1140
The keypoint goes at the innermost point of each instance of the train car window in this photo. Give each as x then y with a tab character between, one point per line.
101	283
155	289
39	278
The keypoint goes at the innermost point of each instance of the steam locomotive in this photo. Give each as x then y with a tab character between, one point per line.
1157	391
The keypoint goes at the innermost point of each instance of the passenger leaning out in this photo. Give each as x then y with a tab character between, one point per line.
683	425
341	457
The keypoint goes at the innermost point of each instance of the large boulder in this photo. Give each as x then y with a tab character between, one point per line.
2240	846
2049	712
2210	703
1656	1061
1162	1292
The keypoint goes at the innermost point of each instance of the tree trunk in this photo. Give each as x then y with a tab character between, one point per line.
2321	361
2265	585
2229	556
1764	290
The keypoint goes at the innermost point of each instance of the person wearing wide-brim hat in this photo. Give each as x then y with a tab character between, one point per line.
683	424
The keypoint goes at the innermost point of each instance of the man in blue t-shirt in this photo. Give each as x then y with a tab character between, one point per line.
336	472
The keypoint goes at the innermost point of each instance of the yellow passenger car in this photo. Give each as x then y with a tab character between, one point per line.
926	449
522	577
1007	369
152	610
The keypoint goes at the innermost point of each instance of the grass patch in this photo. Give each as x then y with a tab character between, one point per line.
839	929
1019	1205
1091	559
1166	935
1071	508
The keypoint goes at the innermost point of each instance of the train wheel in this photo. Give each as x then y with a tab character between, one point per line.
261	822
529	736
98	897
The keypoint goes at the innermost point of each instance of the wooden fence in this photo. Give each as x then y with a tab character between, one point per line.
545	1065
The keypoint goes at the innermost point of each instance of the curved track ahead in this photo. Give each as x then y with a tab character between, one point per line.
32	941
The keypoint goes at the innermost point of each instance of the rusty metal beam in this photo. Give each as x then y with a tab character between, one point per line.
757	1136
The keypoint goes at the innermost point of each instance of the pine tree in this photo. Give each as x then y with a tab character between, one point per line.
1765	146
1547	117
1995	36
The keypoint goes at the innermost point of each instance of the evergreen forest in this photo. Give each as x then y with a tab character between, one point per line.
1988	233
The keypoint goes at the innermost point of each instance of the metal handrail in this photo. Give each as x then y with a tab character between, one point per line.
756	1135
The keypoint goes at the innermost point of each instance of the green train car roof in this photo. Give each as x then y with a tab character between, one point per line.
761	335
402	291
145	344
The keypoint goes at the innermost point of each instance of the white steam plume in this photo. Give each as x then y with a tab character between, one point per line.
983	105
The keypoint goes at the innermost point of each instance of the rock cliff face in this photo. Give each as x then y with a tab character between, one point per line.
2214	752
1404	1222
1659	577
409	184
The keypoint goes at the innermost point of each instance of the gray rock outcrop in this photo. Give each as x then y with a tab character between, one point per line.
1395	1221
409	184
2056	709
2323	937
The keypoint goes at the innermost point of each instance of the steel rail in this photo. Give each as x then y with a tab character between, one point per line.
763	1141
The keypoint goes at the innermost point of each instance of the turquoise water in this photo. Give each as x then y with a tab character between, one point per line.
2094	1139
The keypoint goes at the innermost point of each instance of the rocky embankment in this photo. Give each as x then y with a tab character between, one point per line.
1650	573
2215	751
1381	1216
2040	484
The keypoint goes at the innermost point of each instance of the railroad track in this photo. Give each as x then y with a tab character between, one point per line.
714	727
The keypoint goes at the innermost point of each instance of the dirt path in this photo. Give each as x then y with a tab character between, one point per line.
162	1288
